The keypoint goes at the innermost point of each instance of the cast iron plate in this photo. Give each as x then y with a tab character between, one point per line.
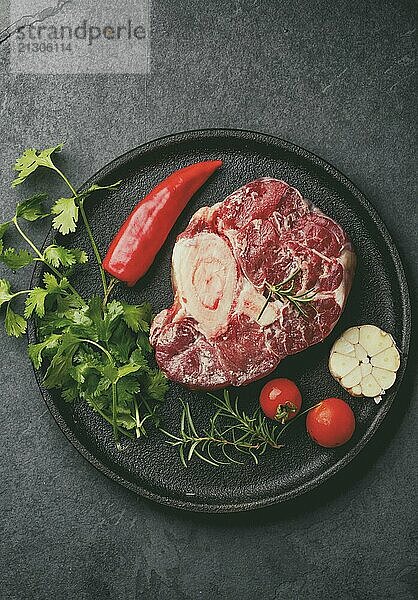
149	466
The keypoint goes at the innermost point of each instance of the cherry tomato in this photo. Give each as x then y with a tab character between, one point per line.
331	424
280	399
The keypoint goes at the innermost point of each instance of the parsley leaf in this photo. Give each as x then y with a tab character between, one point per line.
95	310
66	211
156	385
58	371
107	325
31	159
52	284
3	229
70	394
88	366
35	350
95	187
124	416
95	351
80	256
128	387
65	305
35	301
122	343
16	259
138	360
142	341
25	165
14	323
32	208
5	291
137	316
110	372
59	256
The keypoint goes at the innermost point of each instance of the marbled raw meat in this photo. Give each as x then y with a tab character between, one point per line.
212	335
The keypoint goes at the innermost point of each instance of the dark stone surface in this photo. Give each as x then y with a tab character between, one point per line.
337	78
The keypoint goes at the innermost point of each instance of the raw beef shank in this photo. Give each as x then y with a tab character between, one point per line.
264	233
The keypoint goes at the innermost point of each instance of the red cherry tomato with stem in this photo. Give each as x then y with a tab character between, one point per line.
280	399
331	423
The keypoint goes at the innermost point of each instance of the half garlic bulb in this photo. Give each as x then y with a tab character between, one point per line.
364	360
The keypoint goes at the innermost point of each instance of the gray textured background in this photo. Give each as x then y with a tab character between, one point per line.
337	78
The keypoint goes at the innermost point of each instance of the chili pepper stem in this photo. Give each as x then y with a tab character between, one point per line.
112	283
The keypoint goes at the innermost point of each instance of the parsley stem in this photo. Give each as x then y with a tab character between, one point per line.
20	293
87	226
93	245
100	347
137	419
27	240
114	405
114	390
61	174
42	259
109	420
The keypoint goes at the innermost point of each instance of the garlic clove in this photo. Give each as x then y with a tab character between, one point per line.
352	335
340	365
388	359
343	346
374	340
360	353
366	369
352	378
370	387
384	377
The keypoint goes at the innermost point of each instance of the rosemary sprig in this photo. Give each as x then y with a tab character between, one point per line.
230	431
279	291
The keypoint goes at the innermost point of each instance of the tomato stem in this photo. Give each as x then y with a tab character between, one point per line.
304	412
284	411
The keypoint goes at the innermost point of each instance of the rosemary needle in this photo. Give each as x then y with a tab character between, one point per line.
279	291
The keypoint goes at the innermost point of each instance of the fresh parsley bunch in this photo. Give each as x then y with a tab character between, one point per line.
96	350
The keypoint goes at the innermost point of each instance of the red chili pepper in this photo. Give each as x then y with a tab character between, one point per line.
136	244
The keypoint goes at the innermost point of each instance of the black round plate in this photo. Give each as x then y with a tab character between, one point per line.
149	466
